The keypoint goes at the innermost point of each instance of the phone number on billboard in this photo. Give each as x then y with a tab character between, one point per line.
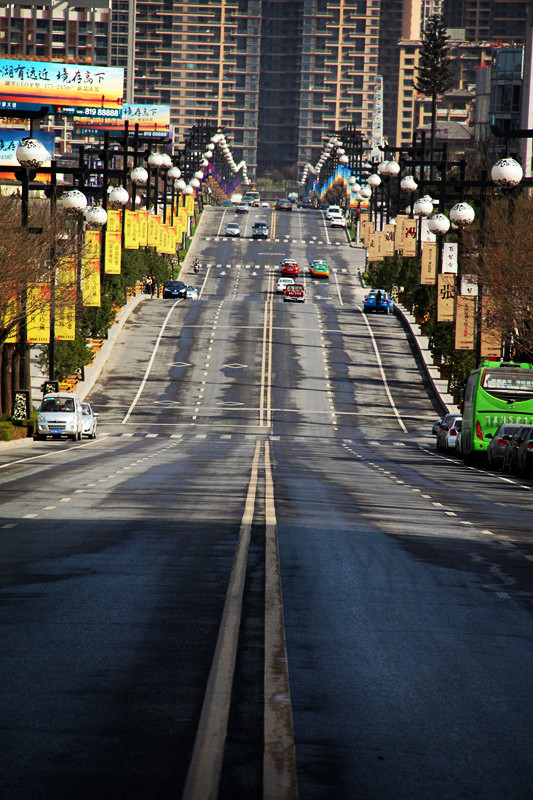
109	113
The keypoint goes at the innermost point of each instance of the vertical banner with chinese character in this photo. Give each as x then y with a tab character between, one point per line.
465	315
11	312
491	335
154	221
399	232
131	230
446	298
38	313
113	252
189	205
114	221
90	269
66	273
90	283
65	317
409	238
388	241
143	227
428	267
449	257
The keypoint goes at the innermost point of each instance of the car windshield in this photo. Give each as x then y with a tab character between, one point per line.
508	384
174	284
57	404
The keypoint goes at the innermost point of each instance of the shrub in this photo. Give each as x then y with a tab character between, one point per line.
7	431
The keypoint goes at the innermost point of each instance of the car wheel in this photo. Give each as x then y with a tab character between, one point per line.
38	438
74	437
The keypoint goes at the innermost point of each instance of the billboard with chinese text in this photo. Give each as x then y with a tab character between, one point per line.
153	121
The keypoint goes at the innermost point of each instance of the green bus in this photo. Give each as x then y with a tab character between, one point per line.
495	392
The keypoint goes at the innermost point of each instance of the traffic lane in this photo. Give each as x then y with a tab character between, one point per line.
301	393
426	671
109	622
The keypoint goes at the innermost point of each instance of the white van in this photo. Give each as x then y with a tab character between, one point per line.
60	414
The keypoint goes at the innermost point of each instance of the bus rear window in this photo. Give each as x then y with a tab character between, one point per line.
507	384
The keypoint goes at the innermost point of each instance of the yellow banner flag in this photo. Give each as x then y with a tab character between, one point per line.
38	313
189	205
65	318
90	286
131	230
114	221
154	221
113	252
143	227
11	311
66	273
93	245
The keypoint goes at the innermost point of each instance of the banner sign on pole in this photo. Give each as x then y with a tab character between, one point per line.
465	316
445	298
428	264
491	335
449	257
38	316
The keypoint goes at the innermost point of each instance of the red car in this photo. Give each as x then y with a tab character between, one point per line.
289	268
294	292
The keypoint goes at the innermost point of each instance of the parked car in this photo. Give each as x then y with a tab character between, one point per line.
498	445
289	267
319	269
435	427
509	455
89	421
60	414
524	455
379	301
260	230
294	292
174	289
283	205
282	284
233	229
447	435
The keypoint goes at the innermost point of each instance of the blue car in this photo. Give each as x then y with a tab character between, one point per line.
385	304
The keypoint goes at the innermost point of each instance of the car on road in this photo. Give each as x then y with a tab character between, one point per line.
59	415
448	432
294	292
174	289
260	230
509	455
289	267
319	269
264	204
233	229
333	210
524	455
385	304
89	423
282	284
337	221
498	444
191	293
283	205
241	208
435	427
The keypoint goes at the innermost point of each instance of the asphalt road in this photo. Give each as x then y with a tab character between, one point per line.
261	580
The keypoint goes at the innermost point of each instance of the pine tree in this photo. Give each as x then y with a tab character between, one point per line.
435	76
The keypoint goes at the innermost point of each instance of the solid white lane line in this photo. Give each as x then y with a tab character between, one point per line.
205	766
150	364
382	373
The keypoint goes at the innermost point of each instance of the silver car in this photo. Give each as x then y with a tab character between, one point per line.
89	422
233	229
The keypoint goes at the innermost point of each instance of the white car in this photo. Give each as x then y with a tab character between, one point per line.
282	284
191	293
337	221
332	210
89	423
233	229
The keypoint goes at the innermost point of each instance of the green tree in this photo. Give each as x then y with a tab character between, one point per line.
434	70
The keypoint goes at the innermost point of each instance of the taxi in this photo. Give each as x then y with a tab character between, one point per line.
295	293
319	269
289	267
